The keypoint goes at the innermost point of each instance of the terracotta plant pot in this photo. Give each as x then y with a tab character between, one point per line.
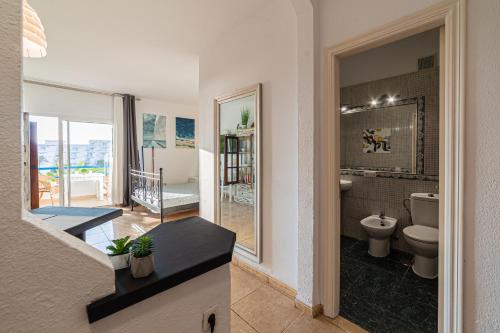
120	261
141	267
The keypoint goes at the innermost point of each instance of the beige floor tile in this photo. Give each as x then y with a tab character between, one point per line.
267	310
346	325
132	224
242	284
238	325
306	323
239	218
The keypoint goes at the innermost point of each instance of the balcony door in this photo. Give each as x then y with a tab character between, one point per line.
74	162
88	162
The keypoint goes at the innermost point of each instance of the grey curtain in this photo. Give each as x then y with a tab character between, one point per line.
130	153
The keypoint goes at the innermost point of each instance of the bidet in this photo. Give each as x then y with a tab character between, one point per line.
379	229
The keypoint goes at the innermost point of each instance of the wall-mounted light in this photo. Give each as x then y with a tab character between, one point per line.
34	40
391	99
373	102
344	108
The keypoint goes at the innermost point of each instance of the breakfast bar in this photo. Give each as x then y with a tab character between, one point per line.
183	250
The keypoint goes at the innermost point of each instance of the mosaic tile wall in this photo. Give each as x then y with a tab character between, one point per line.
368	196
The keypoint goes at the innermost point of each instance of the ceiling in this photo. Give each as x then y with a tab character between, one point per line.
148	48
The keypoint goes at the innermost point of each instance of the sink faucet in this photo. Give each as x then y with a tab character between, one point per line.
382	215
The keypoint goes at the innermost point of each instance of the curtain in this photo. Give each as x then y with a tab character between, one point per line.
118	165
130	150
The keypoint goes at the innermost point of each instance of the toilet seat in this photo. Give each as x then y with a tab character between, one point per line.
422	233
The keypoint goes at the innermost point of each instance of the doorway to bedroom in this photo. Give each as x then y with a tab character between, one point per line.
71	162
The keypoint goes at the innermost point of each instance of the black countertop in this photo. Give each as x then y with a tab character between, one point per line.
184	249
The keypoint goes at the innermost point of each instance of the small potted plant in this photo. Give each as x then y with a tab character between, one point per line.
141	257
245	115
119	252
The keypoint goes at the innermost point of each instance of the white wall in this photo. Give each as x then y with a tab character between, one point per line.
482	125
390	60
482	162
72	105
262	48
178	163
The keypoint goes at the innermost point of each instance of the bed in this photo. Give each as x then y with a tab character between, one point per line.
149	190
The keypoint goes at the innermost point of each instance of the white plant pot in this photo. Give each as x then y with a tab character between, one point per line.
141	267
120	261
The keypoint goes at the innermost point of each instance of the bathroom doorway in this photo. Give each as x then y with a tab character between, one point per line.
449	18
389	172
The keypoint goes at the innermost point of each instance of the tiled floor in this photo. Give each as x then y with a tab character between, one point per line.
239	218
255	306
383	294
131	224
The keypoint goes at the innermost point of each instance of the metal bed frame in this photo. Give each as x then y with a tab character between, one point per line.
146	189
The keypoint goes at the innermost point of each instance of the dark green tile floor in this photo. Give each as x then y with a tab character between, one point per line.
383	294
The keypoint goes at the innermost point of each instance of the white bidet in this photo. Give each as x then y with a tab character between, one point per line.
379	229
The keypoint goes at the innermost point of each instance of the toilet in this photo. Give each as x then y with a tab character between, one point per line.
423	235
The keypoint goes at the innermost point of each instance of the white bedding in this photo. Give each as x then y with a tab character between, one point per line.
174	195
180	194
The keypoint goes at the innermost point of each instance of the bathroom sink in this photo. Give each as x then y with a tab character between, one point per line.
345	185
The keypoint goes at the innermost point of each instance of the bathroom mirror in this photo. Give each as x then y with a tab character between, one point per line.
237	168
383	136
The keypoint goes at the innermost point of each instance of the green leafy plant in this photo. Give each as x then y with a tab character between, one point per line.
245	115
142	246
121	246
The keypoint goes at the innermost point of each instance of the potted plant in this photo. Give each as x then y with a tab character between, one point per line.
245	115
141	257
119	255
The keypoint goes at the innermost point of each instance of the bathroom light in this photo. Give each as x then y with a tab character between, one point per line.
373	102
344	108
391	99
34	41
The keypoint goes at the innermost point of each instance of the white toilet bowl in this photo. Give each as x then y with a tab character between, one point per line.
379	232
424	242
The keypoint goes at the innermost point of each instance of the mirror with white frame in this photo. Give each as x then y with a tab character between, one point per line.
237	168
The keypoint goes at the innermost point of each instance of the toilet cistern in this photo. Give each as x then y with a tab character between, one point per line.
379	229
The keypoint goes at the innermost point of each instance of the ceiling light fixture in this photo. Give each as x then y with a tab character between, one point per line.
34	41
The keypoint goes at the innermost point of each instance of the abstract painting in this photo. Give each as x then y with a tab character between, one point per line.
184	132
154	131
377	140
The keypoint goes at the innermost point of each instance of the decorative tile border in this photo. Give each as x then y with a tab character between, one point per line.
389	174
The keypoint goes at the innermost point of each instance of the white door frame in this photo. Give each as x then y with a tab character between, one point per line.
451	16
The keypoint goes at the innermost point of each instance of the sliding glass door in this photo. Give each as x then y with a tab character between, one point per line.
74	162
88	163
